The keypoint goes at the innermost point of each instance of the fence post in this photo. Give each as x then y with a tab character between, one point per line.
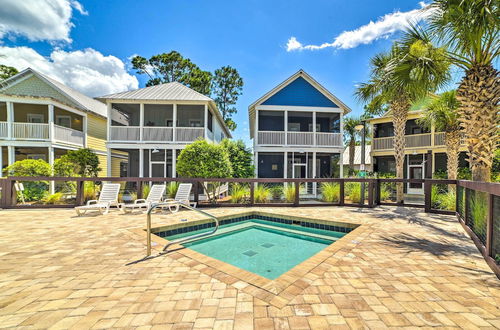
427	195
252	194
370	194
297	193
80	186
377	192
489	226
196	186
466	209
341	193
139	189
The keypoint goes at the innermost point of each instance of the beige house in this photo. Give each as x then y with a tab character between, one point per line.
425	151
40	118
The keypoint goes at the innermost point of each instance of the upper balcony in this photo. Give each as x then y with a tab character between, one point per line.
154	123
296	128
415	137
40	122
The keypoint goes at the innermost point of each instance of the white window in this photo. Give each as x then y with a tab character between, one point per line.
64	121
37	156
35	118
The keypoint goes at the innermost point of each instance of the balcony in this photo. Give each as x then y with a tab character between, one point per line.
155	134
412	141
41	132
281	138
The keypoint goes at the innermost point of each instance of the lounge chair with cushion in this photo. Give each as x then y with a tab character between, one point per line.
155	195
107	198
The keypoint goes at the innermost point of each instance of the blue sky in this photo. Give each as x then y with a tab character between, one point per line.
267	41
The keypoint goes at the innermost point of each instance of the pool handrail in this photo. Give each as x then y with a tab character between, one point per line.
180	240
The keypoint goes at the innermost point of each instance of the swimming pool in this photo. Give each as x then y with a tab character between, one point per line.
266	247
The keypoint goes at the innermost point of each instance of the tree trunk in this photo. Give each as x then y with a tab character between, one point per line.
399	109
479	94
452	141
352	151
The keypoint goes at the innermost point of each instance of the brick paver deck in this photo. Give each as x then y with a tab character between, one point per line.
404	269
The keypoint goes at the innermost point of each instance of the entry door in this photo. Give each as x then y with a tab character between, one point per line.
415	171
299	171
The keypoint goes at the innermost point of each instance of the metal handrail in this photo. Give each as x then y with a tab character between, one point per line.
180	240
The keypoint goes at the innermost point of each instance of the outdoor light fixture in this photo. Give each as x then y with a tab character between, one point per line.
154	151
359	127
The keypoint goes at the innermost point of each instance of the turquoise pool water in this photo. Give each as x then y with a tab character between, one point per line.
262	247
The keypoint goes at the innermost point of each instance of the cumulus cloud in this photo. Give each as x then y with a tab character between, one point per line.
38	20
87	71
384	27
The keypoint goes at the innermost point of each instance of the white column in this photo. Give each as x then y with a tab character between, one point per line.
108	162
285	164
256	163
10	119
141	121
11	152
51	122
314	174
84	125
141	163
314	128
341	162
108	127
174	123
285	118
1	161
205	125
174	163
52	187
256	132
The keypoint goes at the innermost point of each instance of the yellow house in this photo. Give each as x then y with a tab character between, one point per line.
40	118
425	151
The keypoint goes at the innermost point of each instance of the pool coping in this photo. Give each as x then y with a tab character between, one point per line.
277	292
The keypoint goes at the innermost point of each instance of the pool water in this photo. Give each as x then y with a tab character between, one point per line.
263	247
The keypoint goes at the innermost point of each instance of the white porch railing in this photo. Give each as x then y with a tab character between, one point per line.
189	134
4	130
300	138
328	139
158	134
68	135
30	131
125	133
271	137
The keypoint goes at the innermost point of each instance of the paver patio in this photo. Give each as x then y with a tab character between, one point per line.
405	269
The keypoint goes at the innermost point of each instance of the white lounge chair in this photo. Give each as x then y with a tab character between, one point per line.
107	198
181	196
155	195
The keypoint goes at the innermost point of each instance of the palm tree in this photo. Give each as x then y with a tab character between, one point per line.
471	32
350	134
442	113
412	69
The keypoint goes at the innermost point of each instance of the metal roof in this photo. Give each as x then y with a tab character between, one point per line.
83	102
173	91
357	155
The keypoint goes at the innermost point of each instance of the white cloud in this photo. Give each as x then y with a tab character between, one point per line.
384	27
87	71
38	20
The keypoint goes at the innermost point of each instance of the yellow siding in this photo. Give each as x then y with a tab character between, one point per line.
115	166
103	164
96	133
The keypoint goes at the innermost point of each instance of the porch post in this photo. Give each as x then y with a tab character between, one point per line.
84	124
51	163
108	162
108	124
314	127
10	119
341	164
285	118
11	151
174	122
51	122
205	121
141	162
314	174
174	163
141	121
1	161
256	163
341	159
285	165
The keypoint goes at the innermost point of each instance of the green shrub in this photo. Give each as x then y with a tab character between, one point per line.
90	190
289	193
479	212
276	191
262	193
442	198
355	195
53	199
145	190
172	189
353	190
330	192
385	192
33	190
239	193
64	167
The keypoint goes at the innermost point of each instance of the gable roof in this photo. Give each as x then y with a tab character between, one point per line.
172	91
300	75
81	101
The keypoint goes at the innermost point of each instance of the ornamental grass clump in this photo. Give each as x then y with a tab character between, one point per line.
239	193
330	192
262	193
